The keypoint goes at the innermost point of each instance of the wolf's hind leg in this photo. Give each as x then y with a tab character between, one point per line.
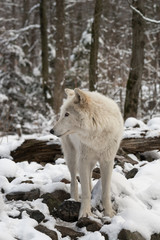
106	173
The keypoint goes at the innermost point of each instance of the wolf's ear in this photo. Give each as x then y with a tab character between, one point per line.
69	92
80	96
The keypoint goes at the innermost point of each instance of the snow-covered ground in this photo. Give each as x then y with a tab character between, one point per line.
137	199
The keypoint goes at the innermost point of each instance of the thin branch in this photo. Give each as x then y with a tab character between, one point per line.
33	8
8	20
30	27
12	35
141	14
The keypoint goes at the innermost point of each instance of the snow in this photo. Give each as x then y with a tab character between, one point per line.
86	38
8	168
3	98
154	123
133	122
136	200
36	72
92	236
135	128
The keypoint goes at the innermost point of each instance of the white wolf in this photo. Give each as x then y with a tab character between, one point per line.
90	127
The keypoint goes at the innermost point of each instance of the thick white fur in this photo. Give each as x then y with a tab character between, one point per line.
91	131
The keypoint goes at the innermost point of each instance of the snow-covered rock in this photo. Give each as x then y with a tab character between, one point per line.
8	168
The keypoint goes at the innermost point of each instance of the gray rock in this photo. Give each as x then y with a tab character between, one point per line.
149	156
10	179
35	214
128	235
105	235
28	181
52	234
65	231
155	236
68	211
131	173
66	181
90	225
30	195
54	200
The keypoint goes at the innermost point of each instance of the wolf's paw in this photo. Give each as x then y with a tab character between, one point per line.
111	213
85	213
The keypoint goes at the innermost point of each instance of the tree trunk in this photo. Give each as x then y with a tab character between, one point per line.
25	7
59	61
94	46
25	12
137	62
44	48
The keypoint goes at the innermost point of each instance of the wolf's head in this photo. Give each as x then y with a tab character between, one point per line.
72	115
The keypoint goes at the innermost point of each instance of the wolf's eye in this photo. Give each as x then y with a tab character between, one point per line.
66	114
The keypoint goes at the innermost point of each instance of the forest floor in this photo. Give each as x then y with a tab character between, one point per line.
25	213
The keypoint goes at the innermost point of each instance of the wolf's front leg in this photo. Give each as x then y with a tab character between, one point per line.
85	209
71	159
72	165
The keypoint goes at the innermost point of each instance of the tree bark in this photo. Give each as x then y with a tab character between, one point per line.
137	62
94	46
59	61
44	48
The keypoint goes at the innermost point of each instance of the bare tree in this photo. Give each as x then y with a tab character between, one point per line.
137	62
44	47
94	46
59	61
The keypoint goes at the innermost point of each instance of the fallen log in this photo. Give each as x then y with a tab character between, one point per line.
134	145
33	150
48	151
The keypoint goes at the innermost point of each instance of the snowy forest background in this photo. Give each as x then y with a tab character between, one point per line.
29	93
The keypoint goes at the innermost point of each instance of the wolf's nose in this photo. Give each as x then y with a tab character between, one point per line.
52	131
